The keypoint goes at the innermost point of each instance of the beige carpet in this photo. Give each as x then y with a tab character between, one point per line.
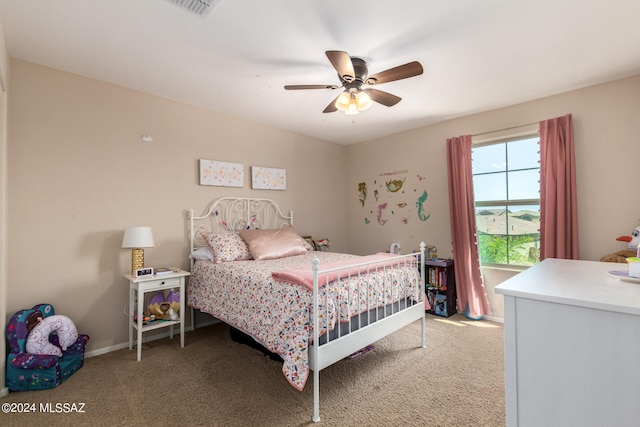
457	380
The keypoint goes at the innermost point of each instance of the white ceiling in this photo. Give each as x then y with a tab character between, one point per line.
477	54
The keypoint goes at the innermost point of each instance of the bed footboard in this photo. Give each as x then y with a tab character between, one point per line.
395	314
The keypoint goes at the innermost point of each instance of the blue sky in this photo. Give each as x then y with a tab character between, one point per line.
522	184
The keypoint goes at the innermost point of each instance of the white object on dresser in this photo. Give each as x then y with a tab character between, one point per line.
138	287
571	346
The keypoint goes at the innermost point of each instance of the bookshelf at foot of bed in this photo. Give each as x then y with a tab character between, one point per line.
320	307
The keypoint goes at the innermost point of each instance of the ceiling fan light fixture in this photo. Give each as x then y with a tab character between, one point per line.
363	100
353	106
353	102
343	101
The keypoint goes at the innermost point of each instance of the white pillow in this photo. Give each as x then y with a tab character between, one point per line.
38	338
202	254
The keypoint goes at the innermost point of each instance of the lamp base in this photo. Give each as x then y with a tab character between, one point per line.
137	259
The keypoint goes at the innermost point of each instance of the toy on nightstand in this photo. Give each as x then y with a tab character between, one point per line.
160	307
632	248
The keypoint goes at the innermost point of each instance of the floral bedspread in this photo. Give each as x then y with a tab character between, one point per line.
278	314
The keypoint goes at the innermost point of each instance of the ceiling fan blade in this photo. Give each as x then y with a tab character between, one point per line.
400	72
332	106
383	98
298	87
342	63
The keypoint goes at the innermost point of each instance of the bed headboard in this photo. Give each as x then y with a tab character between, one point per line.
235	213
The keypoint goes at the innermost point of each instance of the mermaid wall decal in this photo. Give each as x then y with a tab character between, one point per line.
420	205
392	193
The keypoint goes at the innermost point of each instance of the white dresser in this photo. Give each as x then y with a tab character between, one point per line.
572	346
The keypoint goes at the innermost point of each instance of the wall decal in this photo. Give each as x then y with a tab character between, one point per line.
362	189
394	185
391	201
380	209
420	204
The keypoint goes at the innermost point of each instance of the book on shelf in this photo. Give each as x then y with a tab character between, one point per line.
164	270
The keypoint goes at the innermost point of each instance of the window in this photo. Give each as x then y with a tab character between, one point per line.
506	185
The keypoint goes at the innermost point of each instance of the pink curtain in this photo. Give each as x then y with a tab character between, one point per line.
558	201
472	298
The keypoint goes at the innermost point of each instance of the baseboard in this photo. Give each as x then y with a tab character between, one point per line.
105	350
146	338
494	319
4	391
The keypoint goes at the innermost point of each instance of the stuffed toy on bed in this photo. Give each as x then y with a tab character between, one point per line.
632	248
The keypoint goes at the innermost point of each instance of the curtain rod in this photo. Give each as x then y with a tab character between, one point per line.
502	130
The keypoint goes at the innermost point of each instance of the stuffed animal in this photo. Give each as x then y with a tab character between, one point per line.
631	251
38	338
159	306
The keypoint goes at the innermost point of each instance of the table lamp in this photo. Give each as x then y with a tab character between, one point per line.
137	238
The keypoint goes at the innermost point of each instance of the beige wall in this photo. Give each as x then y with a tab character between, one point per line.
4	79
605	121
79	174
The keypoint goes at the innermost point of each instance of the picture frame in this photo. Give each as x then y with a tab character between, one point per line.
268	178
222	174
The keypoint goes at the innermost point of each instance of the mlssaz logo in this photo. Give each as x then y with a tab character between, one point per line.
62	408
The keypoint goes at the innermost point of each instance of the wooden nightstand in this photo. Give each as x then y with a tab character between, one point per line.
138	286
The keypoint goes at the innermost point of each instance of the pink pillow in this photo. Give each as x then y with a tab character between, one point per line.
273	243
227	246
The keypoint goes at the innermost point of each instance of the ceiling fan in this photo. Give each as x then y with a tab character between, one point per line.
354	78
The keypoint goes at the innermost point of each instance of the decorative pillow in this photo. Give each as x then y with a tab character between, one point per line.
202	254
38	338
227	246
274	243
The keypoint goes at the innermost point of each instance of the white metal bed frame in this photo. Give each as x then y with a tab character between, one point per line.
232	213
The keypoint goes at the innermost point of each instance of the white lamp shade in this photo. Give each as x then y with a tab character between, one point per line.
137	237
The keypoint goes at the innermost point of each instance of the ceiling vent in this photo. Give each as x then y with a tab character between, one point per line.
202	8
